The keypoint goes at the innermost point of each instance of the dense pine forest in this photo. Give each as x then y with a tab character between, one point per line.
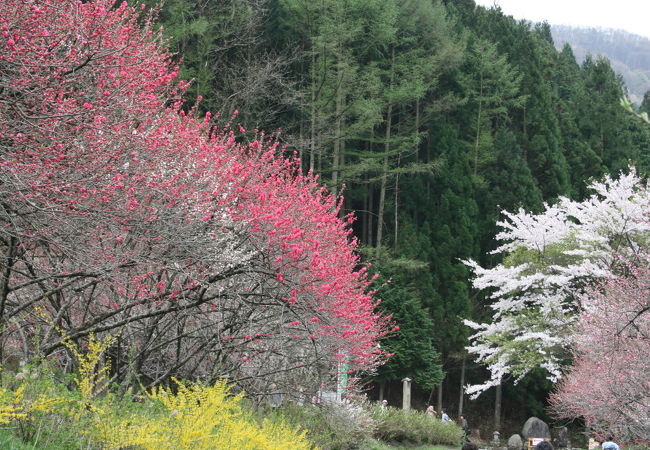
430	117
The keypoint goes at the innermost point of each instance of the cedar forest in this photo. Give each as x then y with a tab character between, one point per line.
326	190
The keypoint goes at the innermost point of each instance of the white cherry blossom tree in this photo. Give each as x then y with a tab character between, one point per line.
550	259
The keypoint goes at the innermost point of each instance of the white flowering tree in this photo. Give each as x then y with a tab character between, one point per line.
549	261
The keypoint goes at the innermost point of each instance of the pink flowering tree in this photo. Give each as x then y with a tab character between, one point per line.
609	382
121	214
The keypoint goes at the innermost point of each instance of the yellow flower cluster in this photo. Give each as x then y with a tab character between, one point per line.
199	417
92	374
16	406
183	417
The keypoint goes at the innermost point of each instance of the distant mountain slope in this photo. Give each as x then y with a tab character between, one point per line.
629	53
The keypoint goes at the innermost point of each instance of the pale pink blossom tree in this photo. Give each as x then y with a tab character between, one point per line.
609	382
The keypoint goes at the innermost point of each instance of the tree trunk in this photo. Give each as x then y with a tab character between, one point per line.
439	402
312	143
497	407
462	385
384	175
602	142
384	181
395	218
478	126
337	129
4	289
346	201
365	213
427	159
525	147
430	399
417	128
301	149
371	218
370	189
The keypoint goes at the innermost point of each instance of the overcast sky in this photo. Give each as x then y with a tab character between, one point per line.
629	15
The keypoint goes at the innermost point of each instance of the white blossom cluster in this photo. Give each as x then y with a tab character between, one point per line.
549	259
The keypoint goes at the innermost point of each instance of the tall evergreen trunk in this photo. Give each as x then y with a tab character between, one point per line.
430	399
337	129
384	181
346	199
478	124
370	189
602	142
319	161
301	137
396	196
395	218
364	212
384	174
462	385
312	143
371	203
439	400
417	129
525	147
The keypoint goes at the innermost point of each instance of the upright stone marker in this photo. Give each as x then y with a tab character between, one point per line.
406	393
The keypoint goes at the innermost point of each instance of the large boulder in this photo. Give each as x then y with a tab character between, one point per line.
515	442
535	428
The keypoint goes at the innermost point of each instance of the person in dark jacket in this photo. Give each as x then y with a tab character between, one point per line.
462	421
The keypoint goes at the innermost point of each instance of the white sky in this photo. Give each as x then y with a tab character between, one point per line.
629	15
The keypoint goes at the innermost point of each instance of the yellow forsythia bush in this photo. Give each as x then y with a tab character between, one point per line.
198	417
16	406
187	417
92	374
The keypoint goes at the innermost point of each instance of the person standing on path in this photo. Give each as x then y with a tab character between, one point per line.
445	418
463	424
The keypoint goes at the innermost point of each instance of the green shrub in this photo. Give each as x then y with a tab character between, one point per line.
37	400
10	442
336	426
414	427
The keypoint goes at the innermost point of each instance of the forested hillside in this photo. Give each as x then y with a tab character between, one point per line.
629	53
430	117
